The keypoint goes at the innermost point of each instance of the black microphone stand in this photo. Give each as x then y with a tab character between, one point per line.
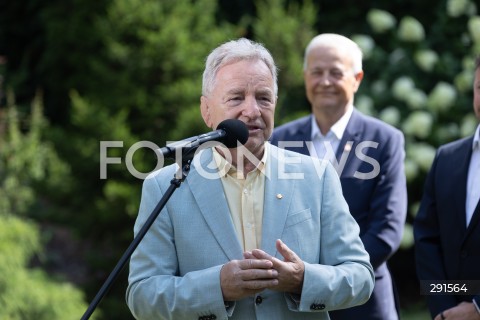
187	156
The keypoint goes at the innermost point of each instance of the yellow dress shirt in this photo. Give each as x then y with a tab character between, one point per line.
245	197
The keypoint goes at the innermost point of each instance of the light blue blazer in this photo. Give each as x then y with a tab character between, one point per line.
175	270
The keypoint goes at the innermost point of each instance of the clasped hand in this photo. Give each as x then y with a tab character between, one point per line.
462	311
260	271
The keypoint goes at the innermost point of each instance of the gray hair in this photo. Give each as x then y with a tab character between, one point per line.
234	51
337	40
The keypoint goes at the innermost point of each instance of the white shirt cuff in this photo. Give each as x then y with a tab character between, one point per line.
476	306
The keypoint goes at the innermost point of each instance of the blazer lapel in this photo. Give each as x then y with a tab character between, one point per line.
459	174
304	134
474	222
476	213
211	200
278	195
351	137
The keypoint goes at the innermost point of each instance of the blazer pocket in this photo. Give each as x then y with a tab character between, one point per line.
298	217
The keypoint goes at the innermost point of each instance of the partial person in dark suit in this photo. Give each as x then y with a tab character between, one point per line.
367	153
447	226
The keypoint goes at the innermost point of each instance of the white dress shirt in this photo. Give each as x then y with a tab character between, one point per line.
473	180
326	145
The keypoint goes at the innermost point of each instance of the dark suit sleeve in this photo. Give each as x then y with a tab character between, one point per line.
428	252
388	209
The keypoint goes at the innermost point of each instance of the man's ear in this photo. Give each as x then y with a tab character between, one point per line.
358	78
205	110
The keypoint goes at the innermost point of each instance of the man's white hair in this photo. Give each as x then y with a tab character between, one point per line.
338	41
234	51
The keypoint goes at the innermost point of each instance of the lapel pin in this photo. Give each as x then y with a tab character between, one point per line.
279	196
348	147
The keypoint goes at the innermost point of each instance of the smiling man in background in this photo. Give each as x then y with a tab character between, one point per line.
367	153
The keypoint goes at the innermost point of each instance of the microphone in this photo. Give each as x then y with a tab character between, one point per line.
228	132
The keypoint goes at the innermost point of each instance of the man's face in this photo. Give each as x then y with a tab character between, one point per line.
330	82
476	94
243	90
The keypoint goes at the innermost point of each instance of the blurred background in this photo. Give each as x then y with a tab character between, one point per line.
74	73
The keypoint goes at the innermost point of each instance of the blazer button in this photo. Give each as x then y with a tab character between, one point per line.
258	300
316	306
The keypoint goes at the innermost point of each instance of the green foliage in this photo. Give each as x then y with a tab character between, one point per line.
130	71
135	77
297	30
286	44
145	82
29	293
419	78
46	44
155	56
25	159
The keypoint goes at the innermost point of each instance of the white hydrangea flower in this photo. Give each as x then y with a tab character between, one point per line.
411	30
468	125
423	154
378	87
390	115
471	9
476	48
381	20
474	28
463	81
468	63
456	8
426	59
366	44
365	105
442	97
411	169
416	99
402	87
448	132
398	56
419	124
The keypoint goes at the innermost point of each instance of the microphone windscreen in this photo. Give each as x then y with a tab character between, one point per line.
235	131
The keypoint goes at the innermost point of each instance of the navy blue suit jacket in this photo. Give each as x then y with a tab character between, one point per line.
378	204
445	249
